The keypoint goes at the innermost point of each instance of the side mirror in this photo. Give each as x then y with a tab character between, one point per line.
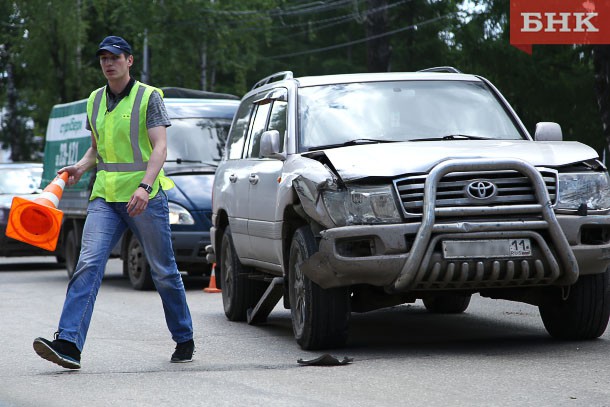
270	145
548	131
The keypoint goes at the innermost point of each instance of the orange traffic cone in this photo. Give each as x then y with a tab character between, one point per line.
211	288
38	222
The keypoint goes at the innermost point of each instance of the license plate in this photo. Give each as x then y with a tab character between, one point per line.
463	249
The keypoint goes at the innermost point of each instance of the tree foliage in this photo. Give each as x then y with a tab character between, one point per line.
48	46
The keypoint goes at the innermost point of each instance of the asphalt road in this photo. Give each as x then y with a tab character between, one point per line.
495	354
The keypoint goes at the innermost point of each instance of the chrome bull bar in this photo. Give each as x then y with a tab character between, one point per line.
416	264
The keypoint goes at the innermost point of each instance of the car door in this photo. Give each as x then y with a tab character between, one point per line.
231	183
264	221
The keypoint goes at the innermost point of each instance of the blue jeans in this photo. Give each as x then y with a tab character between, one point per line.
105	223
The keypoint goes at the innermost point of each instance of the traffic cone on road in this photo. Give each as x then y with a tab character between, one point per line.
211	288
38	222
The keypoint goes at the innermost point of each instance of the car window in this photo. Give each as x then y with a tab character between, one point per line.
258	127
400	111
197	139
237	136
277	120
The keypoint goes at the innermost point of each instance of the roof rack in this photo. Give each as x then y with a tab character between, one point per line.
278	76
448	69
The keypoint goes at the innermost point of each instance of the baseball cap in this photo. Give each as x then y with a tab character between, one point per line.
114	44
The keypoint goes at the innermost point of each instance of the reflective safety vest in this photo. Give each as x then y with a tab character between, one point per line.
123	146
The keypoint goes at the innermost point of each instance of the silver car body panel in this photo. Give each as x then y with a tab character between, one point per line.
394	159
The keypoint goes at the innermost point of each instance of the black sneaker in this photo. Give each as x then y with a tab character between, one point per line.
184	352
61	352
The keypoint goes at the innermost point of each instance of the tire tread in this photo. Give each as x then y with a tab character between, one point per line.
584	314
329	309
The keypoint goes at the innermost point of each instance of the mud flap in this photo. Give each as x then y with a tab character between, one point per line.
268	301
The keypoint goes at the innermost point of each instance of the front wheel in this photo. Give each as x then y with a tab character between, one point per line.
320	317
580	311
137	266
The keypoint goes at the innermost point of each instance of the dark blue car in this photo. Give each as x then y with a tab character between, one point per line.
195	141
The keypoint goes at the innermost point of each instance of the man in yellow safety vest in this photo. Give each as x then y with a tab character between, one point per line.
128	124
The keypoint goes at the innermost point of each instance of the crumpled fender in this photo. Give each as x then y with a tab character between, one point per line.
310	178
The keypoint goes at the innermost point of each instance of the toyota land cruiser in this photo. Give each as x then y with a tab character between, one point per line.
347	193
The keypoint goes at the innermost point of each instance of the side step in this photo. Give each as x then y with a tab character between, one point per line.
268	301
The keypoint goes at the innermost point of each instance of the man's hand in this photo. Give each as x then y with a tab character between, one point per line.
138	202
74	174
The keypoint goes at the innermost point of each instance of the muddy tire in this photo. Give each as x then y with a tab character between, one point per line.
238	292
320	318
583	314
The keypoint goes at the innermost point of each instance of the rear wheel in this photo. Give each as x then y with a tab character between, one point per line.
138	269
320	317
580	312
447	303
238	292
72	251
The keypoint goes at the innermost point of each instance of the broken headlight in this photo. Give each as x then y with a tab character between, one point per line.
590	188
361	205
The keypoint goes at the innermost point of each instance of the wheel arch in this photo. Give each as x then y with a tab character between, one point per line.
294	217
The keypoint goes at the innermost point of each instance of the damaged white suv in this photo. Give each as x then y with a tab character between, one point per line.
348	193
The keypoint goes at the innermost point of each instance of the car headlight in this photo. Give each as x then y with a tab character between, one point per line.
361	205
178	215
590	188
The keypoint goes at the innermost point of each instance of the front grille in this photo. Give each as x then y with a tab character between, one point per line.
511	188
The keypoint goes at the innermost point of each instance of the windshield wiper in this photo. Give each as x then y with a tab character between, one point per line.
355	142
183	161
452	137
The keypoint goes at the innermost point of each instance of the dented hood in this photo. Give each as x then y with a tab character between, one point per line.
393	159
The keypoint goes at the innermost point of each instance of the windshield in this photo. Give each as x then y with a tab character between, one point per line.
331	115
197	140
20	181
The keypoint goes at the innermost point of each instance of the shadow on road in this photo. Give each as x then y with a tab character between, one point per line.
409	330
8	266
117	280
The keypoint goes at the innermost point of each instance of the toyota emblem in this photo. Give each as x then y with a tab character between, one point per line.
481	189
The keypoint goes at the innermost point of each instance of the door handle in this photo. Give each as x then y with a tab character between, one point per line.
253	179
233	178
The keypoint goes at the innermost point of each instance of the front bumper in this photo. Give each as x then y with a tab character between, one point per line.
189	247
340	260
406	257
209	249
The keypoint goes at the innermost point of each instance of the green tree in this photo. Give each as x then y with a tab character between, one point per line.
555	83
48	48
16	133
52	51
